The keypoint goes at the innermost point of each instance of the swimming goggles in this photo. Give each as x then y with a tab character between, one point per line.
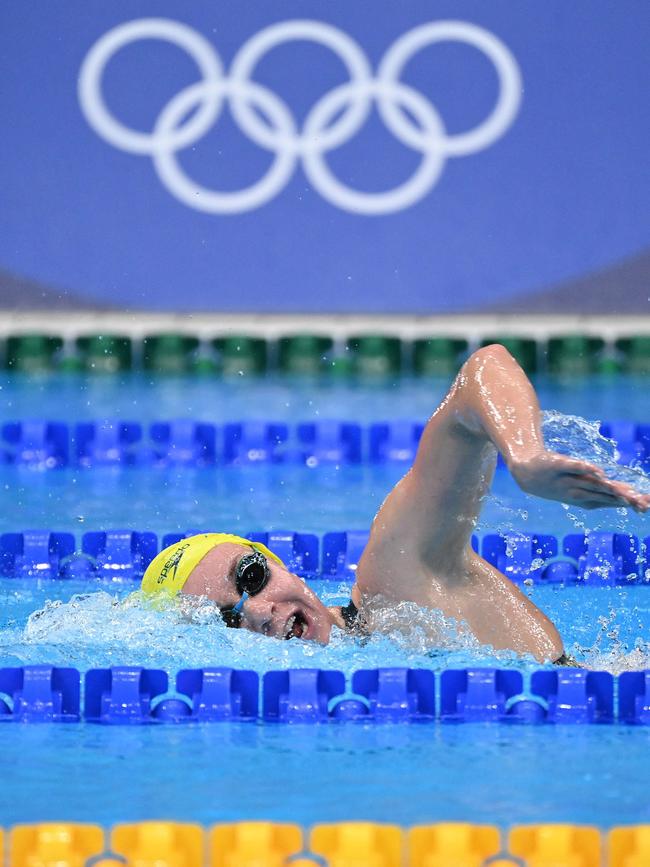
251	578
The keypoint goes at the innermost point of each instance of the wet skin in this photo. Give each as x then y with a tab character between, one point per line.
419	547
285	603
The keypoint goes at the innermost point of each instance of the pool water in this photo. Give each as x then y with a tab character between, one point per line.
143	397
219	772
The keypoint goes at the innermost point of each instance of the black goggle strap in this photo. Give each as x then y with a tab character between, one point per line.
231	618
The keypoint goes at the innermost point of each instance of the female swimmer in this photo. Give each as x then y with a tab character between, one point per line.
419	547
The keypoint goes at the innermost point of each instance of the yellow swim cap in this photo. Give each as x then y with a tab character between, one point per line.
169	570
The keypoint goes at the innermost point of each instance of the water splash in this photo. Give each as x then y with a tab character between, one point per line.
106	628
579	438
101	629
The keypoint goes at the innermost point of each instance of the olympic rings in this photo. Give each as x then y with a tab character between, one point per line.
268	122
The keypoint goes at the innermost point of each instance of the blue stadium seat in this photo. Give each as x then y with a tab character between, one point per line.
42	445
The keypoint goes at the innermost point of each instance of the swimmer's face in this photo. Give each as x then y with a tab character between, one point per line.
285	608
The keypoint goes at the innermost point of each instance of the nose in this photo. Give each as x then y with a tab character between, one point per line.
259	615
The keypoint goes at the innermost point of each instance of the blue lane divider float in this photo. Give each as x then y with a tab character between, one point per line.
219	693
397	694
183	443
575	696
35	553
300	695
36	444
593	559
632	442
123	694
329	442
254	442
394	442
477	694
299	551
39	693
108	443
49	444
520	556
112	555
634	697
611	558
342	552
132	695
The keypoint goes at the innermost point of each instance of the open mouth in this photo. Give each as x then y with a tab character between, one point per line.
296	626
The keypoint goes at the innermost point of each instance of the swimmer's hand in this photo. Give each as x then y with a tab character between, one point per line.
556	477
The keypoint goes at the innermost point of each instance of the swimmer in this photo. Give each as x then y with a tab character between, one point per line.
419	547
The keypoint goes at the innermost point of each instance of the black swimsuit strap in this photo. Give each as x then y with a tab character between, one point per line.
350	615
567	660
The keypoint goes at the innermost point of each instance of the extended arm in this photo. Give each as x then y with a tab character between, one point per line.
419	545
491	406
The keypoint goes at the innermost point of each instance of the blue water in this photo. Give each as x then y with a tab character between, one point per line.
393	773
85	626
143	398
404	774
207	773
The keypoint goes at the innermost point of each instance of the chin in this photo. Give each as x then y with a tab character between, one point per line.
325	634
322	623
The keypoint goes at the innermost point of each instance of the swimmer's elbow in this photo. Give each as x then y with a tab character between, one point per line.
490	356
485	368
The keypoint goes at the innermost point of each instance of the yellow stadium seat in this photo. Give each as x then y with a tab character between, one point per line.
452	844
556	845
629	847
358	844
159	844
54	844
254	844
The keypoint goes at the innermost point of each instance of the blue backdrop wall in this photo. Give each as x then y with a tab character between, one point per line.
303	155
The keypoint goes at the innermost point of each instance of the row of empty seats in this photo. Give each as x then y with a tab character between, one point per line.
594	559
49	444
136	695
344	844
